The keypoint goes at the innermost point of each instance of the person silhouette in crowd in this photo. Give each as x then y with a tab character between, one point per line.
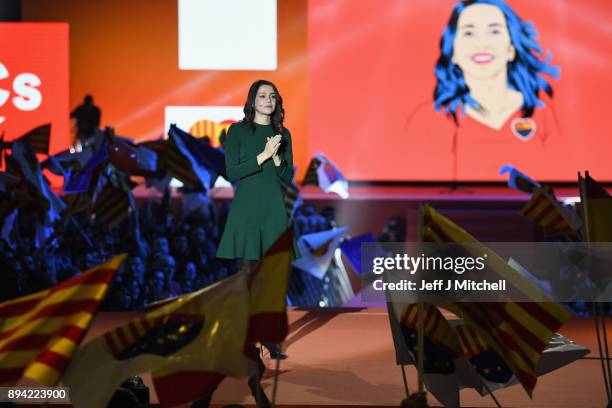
180	247
161	246
188	278
167	264
87	117
156	284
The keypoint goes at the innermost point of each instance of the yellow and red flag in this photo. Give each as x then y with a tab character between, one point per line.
39	332
186	342
268	292
544	209
266	321
517	331
38	138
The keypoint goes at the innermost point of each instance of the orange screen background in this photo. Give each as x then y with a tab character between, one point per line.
350	72
125	53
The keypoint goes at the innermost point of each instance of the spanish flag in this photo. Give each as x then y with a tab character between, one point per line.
268	284
266	321
40	332
184	342
597	208
517	331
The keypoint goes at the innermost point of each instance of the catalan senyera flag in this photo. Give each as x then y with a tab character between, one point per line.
112	205
179	166
441	342
38	138
311	178
483	358
192	157
24	156
544	209
323	172
40	332
291	195
597	207
76	203
517	331
184	342
495	373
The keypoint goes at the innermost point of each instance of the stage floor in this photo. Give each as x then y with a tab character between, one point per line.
345	357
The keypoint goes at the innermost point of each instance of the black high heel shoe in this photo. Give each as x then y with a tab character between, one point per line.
275	351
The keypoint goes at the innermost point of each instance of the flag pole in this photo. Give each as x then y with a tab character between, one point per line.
594	305
421	344
595	310
276	373
405	380
421	316
484	384
602	315
258	376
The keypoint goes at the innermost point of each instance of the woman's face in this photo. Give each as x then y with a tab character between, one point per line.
482	46
265	100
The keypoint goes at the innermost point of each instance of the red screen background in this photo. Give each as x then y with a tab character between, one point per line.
371	64
40	49
350	71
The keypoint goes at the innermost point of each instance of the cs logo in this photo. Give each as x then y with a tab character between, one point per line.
25	86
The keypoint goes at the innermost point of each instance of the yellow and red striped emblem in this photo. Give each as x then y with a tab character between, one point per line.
41	331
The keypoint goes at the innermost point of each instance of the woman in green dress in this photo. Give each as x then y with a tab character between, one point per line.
258	155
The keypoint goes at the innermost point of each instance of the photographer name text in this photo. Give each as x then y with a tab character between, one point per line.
441	285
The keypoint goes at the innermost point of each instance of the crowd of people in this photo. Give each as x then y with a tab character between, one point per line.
171	250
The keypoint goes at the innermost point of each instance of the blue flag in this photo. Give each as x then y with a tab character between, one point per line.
78	182
518	180
352	249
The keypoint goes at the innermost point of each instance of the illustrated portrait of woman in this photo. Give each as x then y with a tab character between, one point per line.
493	88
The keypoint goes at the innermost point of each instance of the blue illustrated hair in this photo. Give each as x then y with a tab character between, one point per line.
524	72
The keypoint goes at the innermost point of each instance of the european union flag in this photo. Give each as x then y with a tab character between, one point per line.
352	249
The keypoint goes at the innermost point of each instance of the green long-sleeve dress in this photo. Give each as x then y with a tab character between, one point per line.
257	214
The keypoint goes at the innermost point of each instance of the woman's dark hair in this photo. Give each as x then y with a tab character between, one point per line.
249	109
